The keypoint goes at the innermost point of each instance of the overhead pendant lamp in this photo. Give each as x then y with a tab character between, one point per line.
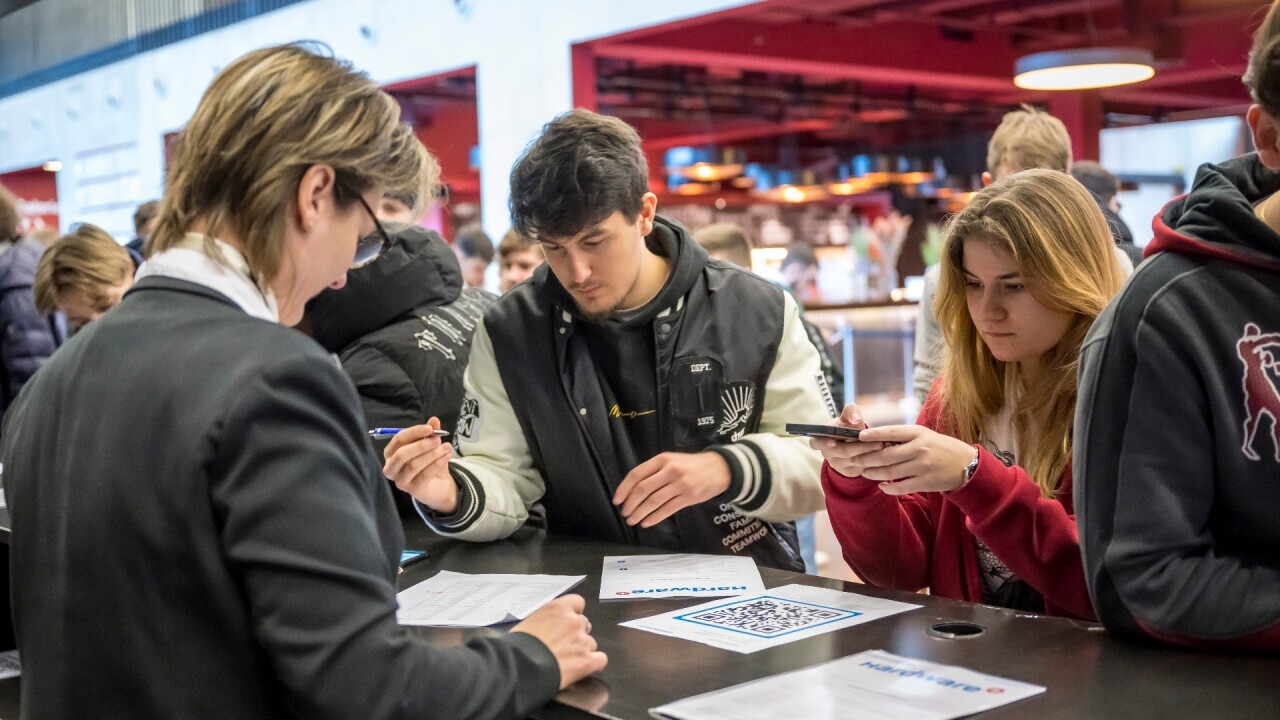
711	172
1083	68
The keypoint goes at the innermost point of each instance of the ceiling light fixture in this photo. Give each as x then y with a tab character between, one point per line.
1083	68
711	172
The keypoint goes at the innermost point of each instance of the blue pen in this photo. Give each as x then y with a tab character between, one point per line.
384	433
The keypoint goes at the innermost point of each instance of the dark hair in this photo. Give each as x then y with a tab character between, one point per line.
800	253
144	214
583	168
1096	179
472	242
10	219
1263	75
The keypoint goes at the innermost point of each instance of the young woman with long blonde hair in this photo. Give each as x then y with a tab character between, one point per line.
974	501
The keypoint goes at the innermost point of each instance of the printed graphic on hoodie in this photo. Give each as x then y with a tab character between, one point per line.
1260	354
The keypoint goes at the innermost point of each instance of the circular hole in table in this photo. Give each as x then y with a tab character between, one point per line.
955	630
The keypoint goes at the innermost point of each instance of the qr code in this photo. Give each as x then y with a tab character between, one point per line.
767	616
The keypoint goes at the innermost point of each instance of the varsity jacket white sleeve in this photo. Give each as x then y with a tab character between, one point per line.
774	476
496	478
779	474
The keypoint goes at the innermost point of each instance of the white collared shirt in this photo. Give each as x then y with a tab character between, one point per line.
188	261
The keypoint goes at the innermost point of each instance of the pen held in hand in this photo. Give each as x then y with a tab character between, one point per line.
386	433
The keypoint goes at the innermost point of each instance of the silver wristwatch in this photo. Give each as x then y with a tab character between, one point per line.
973	466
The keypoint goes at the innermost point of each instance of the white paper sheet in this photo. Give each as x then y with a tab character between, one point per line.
785	614
873	685
10	664
453	599
628	577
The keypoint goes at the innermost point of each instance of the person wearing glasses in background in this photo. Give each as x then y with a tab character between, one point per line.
190	482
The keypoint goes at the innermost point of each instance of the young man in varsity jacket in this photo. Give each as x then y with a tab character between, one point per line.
634	387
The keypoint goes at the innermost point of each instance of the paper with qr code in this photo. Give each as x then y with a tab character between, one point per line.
749	623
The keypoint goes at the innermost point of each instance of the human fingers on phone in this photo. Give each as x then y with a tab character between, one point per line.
887	455
891	472
891	434
841	448
851	416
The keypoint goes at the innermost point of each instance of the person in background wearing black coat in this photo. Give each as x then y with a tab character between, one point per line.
1105	186
191	487
144	223
475	251
27	338
402	330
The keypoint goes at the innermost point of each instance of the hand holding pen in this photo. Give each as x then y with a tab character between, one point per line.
383	433
417	461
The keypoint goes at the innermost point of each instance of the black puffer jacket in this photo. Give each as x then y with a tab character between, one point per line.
402	329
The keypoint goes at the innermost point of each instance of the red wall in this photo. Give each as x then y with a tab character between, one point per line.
37	190
453	131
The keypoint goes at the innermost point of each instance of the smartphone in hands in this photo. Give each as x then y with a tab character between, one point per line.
408	557
831	432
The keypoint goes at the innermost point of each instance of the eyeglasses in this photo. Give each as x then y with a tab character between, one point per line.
370	247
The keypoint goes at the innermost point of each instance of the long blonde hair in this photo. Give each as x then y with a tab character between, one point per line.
1048	222
265	119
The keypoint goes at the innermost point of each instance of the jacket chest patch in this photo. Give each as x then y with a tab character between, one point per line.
705	409
737	405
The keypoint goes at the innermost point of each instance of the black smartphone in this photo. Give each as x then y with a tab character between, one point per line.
411	556
833	432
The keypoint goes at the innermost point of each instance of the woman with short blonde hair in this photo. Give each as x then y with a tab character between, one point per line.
268	125
974	501
214	463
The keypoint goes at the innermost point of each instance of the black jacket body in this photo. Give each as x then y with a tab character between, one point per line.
200	531
1177	433
402	329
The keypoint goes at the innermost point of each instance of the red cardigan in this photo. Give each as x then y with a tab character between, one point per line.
927	539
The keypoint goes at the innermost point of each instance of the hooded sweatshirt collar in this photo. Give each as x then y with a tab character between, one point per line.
1216	219
419	269
669	239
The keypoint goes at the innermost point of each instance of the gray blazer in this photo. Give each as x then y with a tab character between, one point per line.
200	531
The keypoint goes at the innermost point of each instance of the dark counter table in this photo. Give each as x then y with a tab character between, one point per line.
1087	673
